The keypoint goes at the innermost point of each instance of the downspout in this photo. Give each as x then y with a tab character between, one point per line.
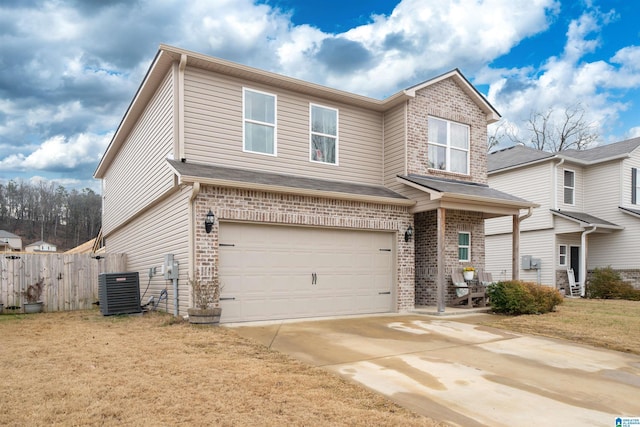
583	259
555	183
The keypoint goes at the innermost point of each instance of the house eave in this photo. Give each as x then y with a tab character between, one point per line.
189	180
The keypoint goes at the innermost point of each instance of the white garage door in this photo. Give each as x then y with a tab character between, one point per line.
281	272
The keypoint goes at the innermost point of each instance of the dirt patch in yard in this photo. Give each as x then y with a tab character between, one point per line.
612	324
82	368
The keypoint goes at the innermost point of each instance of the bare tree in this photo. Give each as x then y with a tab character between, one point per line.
552	131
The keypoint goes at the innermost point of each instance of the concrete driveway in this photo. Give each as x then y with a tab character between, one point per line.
452	369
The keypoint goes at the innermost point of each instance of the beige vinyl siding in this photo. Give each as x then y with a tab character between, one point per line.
606	182
533	183
213	131
139	174
602	189
538	244
394	146
163	229
627	164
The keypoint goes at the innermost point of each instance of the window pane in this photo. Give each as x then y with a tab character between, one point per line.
463	239
437	131
459	161
324	120
259	107
563	250
463	254
323	149
568	178
437	157
258	138
568	196
459	136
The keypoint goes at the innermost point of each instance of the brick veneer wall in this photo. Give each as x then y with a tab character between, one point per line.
275	208
445	100
426	237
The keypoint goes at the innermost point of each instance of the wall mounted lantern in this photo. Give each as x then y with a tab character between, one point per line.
408	234
208	222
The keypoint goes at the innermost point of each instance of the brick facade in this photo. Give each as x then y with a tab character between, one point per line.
445	100
275	208
426	238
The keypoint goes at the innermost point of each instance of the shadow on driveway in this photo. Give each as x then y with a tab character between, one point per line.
454	370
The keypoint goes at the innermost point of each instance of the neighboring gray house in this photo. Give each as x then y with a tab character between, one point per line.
9	242
589	213
325	202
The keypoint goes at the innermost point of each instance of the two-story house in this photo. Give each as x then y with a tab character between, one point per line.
40	246
318	201
588	216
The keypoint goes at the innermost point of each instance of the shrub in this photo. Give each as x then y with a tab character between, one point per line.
606	283
516	297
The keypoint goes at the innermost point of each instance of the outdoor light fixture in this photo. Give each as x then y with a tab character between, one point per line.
408	234
208	222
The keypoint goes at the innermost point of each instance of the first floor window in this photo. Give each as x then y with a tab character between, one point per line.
562	255
448	146
324	134
259	122
464	246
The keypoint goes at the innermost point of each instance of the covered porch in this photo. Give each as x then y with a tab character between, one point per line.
449	231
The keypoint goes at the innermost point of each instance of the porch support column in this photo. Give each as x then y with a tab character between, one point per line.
515	246
440	280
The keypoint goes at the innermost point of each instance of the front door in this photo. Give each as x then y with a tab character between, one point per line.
575	262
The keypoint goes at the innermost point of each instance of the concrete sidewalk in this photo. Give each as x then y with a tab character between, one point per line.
452	369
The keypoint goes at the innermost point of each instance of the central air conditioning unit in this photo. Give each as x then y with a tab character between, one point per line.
119	293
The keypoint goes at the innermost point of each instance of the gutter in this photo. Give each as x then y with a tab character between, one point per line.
195	190
181	68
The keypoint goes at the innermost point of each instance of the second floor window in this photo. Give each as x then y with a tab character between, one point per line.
448	146
569	187
324	134
635	186
259	122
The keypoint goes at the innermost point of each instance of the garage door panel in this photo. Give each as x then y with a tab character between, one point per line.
270	272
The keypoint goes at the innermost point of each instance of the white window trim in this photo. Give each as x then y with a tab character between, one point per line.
448	147
561	255
274	125
464	246
336	136
564	187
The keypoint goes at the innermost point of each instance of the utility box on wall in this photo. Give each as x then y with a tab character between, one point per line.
526	262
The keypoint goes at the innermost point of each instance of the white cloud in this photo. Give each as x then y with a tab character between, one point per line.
59	153
568	80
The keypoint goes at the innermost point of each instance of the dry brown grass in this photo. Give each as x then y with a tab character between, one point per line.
612	324
81	368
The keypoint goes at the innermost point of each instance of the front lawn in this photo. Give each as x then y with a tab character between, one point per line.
612	324
81	368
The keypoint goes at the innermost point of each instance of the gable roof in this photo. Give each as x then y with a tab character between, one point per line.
519	155
189	172
167	56
7	235
466	190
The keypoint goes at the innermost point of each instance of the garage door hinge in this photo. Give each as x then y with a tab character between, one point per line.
226	244
385	250
227	298
384	293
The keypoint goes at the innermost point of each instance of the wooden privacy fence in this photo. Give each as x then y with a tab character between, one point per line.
70	280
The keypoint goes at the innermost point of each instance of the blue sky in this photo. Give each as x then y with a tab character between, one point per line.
69	68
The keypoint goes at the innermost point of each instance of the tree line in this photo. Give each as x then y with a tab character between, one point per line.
49	212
